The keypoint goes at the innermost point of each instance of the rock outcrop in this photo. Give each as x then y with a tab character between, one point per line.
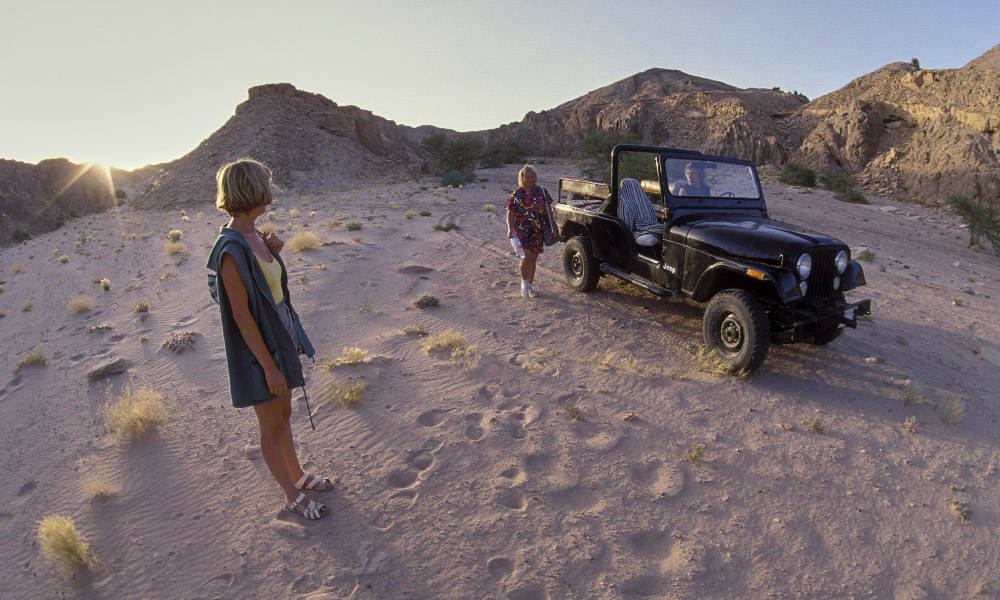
909	132
666	108
39	198
309	142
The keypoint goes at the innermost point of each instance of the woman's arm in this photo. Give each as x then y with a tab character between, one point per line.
510	223
239	305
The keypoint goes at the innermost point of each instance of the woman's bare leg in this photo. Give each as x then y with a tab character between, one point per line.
288	444
527	266
273	426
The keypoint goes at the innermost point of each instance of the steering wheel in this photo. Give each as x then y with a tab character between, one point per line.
727	195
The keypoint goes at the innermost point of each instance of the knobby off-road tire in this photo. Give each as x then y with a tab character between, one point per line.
736	329
581	270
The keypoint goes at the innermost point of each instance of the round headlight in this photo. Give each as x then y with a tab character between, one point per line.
803	287
804	266
836	282
841	261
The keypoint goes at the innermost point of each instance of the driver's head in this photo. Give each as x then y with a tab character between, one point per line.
692	173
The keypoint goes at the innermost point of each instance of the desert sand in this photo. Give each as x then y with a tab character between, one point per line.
475	484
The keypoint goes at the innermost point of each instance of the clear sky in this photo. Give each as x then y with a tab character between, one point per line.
130	83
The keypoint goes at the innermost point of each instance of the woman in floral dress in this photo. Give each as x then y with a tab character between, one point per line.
527	211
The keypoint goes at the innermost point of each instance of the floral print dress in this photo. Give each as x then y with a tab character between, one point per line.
529	210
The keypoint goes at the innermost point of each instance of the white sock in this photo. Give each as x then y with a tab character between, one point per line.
525	288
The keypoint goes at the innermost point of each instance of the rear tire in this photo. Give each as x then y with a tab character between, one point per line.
579	266
736	329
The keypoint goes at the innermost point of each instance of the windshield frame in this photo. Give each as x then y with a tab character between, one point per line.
707	202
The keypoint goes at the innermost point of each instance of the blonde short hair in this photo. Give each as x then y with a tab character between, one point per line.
244	185
526	169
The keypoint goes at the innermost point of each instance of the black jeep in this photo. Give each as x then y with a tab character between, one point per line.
678	222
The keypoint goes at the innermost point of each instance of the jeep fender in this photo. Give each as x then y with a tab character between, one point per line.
853	277
723	276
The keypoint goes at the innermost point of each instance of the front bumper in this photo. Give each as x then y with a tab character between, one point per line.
801	323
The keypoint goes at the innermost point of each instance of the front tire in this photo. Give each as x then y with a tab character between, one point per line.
736	329
579	266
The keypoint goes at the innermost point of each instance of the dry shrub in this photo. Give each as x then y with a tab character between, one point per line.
63	259
952	412
266	228
61	543
426	300
624	362
410	214
960	510
293	213
105	284
349	357
134	412
31	359
815	425
171	247
100	328
489	207
98	488
695	453
179	341
347	393
709	362
174	235
439	342
416	329
141	306
913	394
574	412
465	358
304	240
80	304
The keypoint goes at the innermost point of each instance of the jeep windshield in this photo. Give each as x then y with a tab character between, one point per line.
710	178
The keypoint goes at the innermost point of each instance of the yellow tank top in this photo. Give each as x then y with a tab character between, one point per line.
272	272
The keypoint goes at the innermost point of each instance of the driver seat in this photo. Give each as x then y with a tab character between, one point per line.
635	209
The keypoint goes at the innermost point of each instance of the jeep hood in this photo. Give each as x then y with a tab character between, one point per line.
753	238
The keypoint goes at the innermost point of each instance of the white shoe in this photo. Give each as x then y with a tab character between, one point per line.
531	292
525	289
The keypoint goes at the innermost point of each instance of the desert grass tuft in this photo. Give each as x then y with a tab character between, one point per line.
865	256
960	510
352	226
913	394
268	227
709	362
175	235
35	358
61	543
410	214
304	240
63	259
105	284
574	412
416	329
952	412
98	488
540	362
425	301
815	425
465	358
80	304
695	453
439	342
910	424
447	226
489	207
350	357
100	328
136	410
171	247
346	393
141	306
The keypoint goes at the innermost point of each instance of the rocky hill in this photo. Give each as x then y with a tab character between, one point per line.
38	198
910	132
665	107
309	142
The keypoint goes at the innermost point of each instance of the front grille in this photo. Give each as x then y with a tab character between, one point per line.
823	271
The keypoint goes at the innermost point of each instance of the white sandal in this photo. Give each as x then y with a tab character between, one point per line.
308	481
307	508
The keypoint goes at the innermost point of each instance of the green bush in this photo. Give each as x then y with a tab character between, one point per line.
794	173
454	178
497	154
19	235
454	153
597	148
982	220
842	186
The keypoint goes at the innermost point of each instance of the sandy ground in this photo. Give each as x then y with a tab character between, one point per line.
475	484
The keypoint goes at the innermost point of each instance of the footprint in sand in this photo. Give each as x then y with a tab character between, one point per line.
644	586
403	478
541	463
213	588
575	498
474	431
650	544
528	592
511	498
662	479
515	426
420	460
513	475
499	567
433	418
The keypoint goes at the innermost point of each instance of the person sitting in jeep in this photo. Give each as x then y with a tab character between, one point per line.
694	184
